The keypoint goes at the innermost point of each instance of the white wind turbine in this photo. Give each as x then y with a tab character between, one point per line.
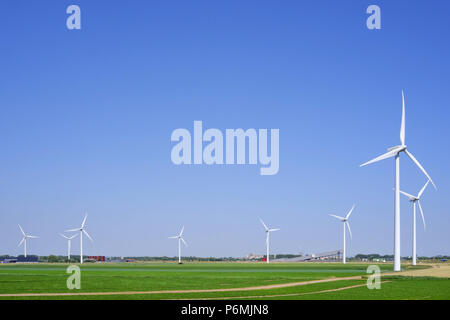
180	238
395	152
416	200
345	222
24	240
69	240
82	230
268	231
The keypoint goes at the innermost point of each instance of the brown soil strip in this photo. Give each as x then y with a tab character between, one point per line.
437	270
284	295
267	287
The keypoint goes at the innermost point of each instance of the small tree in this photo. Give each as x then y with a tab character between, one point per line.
52	258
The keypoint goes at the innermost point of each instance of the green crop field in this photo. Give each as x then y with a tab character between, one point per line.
137	280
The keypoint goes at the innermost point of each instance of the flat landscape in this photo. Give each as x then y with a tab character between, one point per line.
223	281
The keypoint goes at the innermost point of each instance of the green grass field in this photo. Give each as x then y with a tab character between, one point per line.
106	278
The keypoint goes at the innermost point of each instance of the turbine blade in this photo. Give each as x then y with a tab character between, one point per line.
423	189
421	213
174	237
184	242
419	165
270	230
21	241
386	155
63	236
337	217
84	221
402	127
181	233
265	227
87	234
406	194
73	230
349	213
74	236
33	237
349	230
23	232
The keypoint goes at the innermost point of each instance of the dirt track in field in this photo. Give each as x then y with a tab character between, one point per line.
272	286
287	294
436	270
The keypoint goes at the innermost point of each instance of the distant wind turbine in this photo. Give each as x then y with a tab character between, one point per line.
69	240
395	152
416	200
82	230
345	222
24	240
268	231
180	238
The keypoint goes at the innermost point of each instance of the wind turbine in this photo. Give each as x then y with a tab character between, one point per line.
345	222
69	240
24	240
180	238
395	152
82	230
416	200
268	231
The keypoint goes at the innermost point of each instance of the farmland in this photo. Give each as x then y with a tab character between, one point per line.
217	281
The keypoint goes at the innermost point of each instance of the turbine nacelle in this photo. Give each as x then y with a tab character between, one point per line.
82	229
180	236
345	219
394	151
398	148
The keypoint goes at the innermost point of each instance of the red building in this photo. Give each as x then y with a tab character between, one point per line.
97	258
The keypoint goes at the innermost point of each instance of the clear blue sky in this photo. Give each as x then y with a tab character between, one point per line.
86	118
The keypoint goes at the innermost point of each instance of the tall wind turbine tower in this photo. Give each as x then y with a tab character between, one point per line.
69	240
395	152
82	230
345	223
268	231
416	201
180	238
24	240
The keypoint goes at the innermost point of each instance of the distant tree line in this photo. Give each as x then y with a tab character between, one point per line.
372	256
76	259
165	258
59	259
387	257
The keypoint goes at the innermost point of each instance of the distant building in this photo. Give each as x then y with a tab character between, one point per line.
325	256
97	258
19	259
27	259
252	256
